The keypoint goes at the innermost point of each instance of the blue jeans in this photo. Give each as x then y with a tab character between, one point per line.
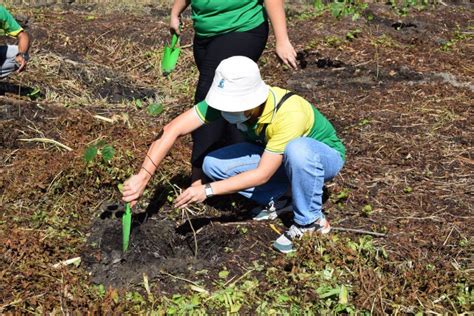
307	164
8	60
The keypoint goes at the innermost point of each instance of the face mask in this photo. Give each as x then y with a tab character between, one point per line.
234	117
242	127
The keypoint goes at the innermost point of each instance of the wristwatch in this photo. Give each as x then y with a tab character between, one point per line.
208	190
25	56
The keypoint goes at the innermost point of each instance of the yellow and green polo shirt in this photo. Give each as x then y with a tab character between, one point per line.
215	17
295	118
8	24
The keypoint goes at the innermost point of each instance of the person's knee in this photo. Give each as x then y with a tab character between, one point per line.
298	151
210	167
12	51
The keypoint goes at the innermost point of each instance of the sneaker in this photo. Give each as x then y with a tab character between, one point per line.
284	243
272	210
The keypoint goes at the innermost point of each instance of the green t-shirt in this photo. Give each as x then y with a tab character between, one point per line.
8	23
295	118
214	17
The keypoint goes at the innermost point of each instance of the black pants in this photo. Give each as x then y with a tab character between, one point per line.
208	53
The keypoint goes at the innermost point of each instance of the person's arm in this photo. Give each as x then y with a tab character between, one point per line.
183	124
284	49
23	47
178	7
268	165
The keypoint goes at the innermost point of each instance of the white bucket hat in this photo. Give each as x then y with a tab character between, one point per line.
237	86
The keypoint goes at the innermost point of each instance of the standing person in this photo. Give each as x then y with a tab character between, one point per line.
13	57
291	146
225	28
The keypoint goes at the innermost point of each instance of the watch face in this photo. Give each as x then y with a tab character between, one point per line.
208	191
25	56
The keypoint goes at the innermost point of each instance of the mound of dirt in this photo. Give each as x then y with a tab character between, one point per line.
158	247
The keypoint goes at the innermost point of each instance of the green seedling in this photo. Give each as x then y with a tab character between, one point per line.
351	35
223	274
367	210
100	148
138	103
155	109
35	94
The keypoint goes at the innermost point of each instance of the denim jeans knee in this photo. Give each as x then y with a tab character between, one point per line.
308	164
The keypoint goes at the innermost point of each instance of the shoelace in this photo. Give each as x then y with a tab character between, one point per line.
271	206
294	232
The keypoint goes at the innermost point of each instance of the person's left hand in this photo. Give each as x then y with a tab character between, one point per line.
190	195
287	54
21	62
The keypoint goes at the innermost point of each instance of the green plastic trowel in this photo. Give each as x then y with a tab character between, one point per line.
170	56
126	225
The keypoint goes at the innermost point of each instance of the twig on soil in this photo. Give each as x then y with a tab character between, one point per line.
238	279
449	235
236	223
13	303
15	102
54	179
359	231
186	210
46	140
179	278
103	118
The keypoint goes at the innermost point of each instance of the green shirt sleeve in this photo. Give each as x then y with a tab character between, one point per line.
206	113
8	23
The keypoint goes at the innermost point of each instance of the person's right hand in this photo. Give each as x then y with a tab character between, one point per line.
287	53
174	24
133	188
21	62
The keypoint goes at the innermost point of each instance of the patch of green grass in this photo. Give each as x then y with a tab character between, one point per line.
403	7
341	8
333	41
457	37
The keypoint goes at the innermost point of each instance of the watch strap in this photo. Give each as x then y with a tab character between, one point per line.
25	56
208	190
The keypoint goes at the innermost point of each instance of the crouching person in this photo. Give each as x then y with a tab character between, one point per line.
13	57
292	148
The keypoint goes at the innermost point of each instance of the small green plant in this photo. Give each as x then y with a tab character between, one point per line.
90	18
403	7
243	230
223	274
99	290
155	109
408	189
367	210
340	198
341	8
138	103
333	41
457	37
34	94
352	35
100	148
364	122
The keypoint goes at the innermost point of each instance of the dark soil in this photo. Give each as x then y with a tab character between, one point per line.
158	247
